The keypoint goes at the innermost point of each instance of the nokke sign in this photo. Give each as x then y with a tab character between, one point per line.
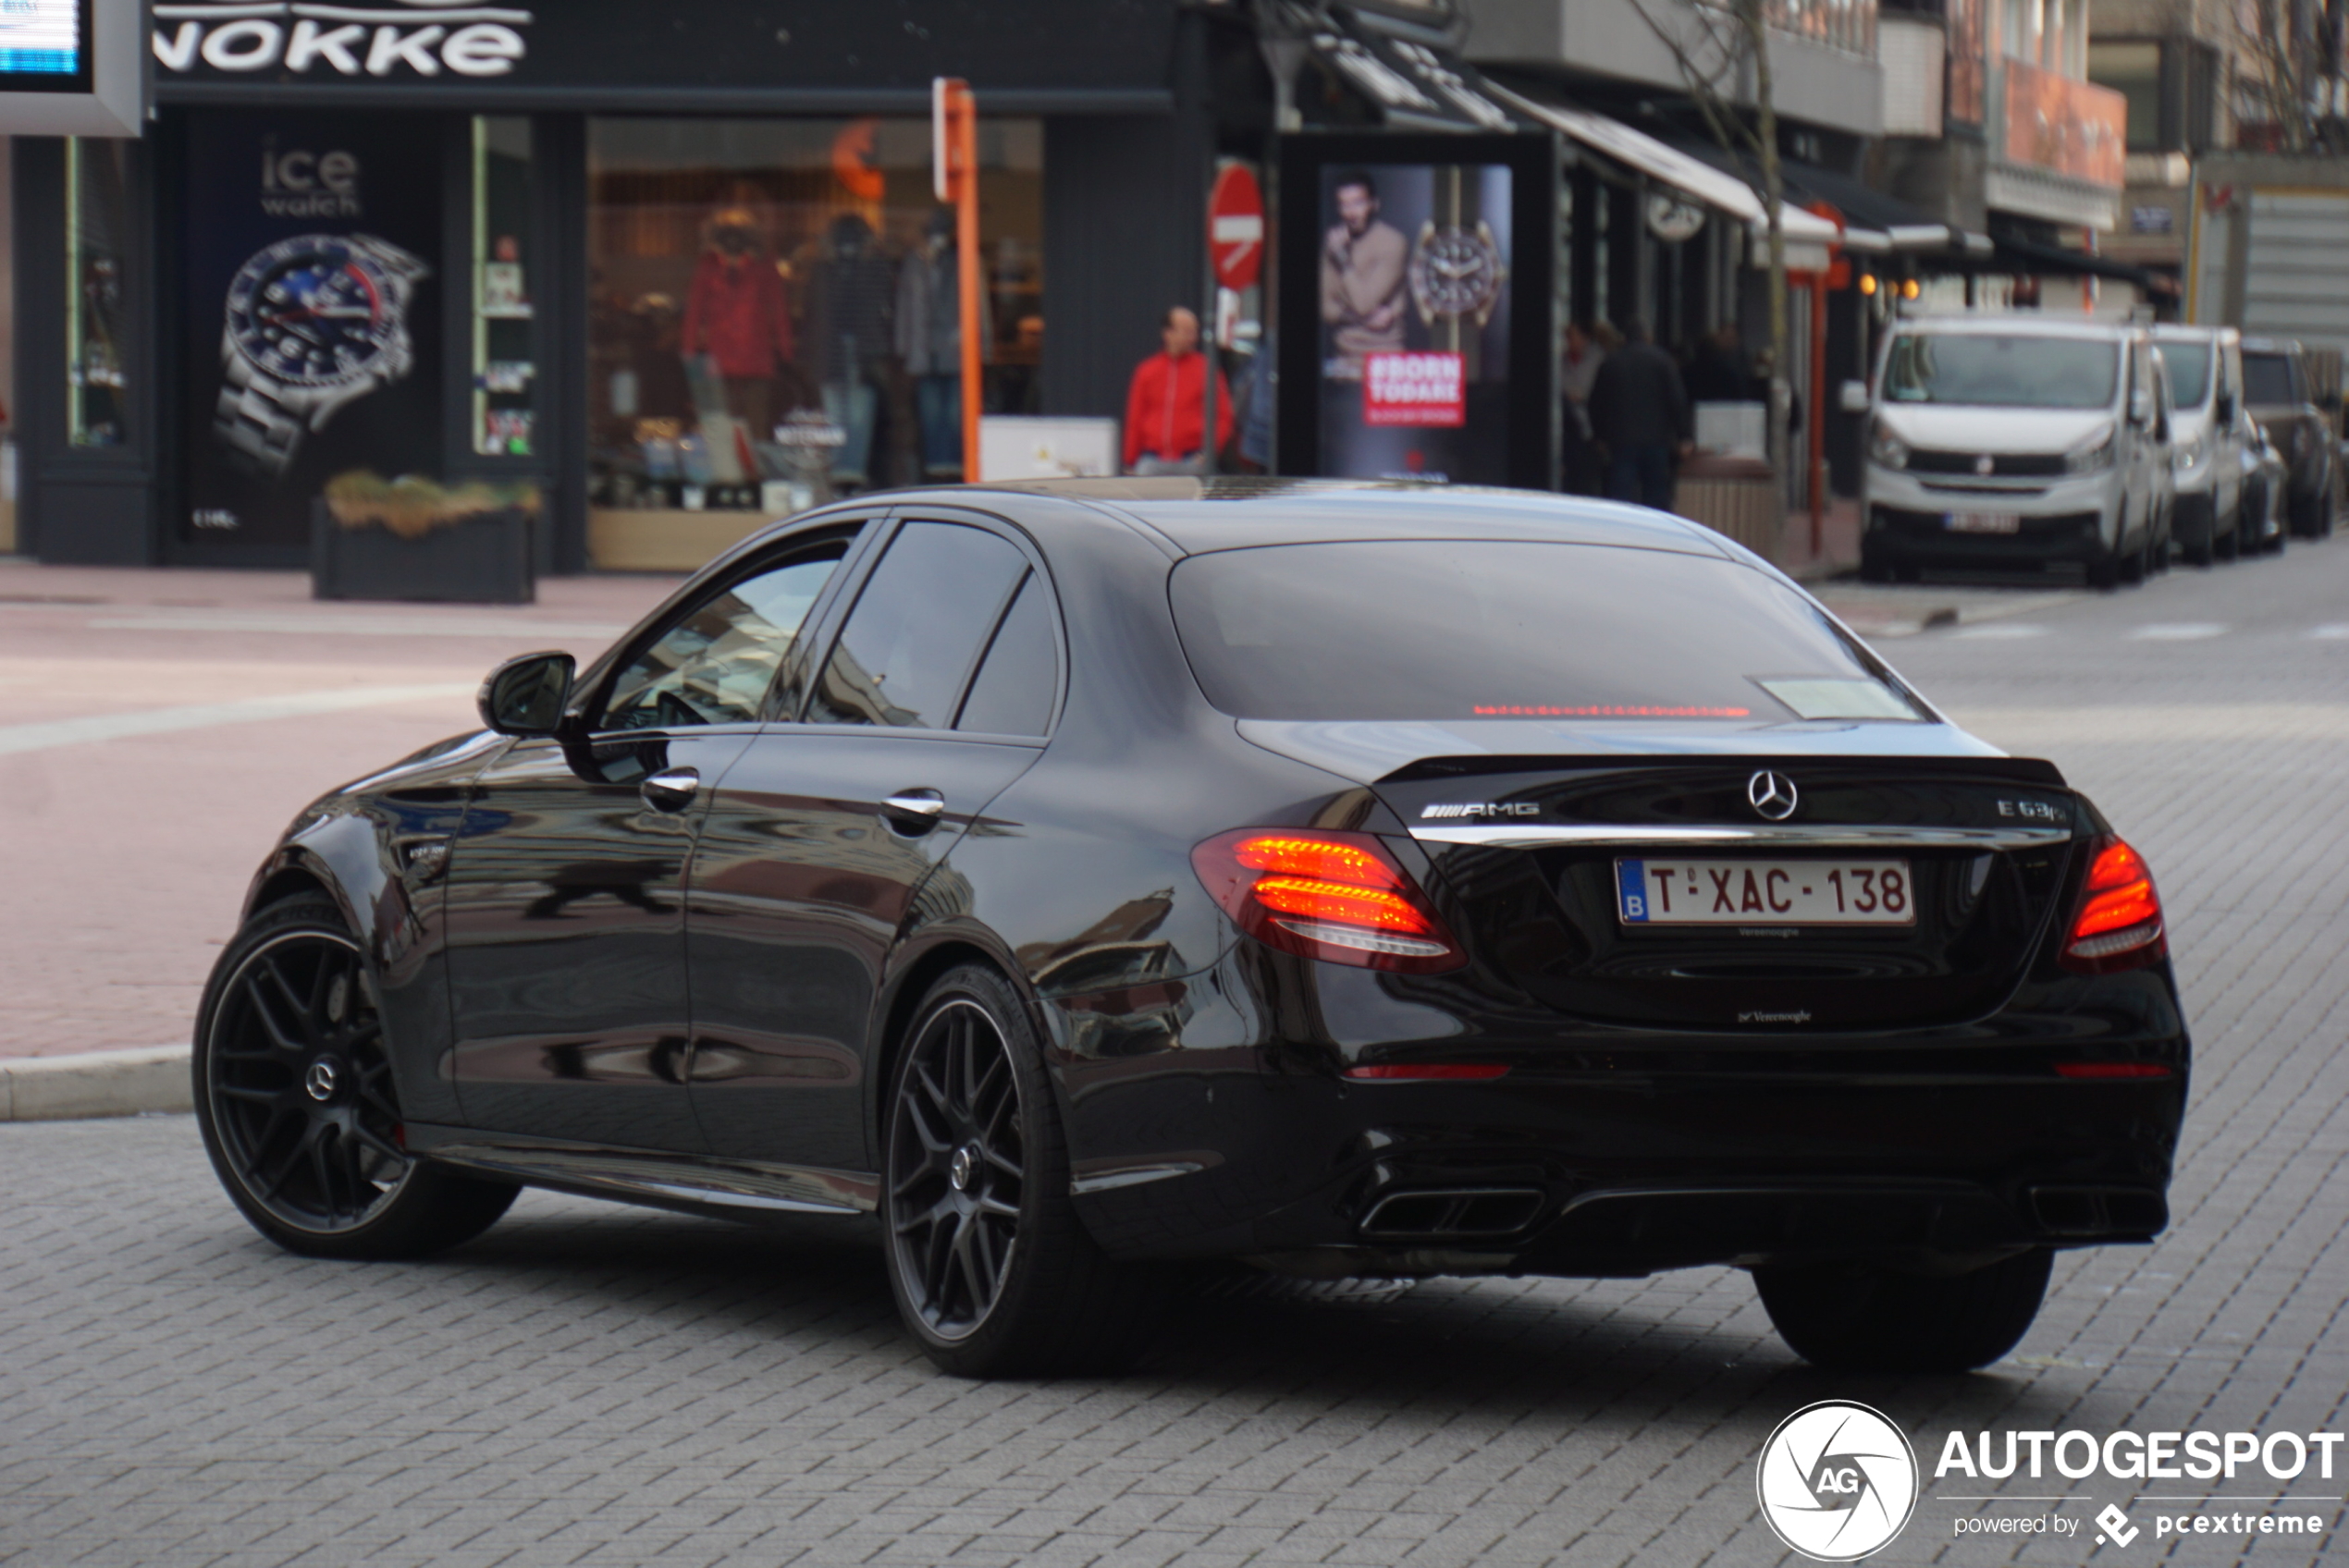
406	39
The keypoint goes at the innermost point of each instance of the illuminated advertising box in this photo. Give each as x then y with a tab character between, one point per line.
71	67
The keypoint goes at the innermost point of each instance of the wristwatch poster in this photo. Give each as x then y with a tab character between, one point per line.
313	324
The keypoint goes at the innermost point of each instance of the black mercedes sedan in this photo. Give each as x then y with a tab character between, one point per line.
1097	880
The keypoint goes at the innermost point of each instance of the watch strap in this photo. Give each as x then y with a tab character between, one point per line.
250	418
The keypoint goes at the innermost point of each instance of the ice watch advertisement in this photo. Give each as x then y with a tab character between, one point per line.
310	287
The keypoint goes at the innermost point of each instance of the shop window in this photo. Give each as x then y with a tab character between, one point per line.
505	372
97	329
773	316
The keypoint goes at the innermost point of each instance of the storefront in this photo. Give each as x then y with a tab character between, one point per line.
657	273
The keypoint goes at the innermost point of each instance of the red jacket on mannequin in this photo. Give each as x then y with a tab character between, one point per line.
736	313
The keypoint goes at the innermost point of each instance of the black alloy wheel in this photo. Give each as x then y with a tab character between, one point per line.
957	1169
294	1094
993	1269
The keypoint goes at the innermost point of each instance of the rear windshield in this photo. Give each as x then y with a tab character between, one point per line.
1446	629
2189	366
2267	379
2000	372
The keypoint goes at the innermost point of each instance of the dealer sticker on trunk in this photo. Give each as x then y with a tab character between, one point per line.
1772	892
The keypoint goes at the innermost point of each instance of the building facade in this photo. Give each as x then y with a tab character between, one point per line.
659	271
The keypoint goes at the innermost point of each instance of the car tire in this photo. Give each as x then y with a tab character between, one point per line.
297	1106
2229	546
993	1271
1856	1317
2132	565
2200	553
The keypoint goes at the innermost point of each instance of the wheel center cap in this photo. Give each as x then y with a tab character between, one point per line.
320	1080
961	1167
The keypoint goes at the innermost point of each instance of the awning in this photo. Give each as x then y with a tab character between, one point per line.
2014	253
1874	223
1667	165
1409	73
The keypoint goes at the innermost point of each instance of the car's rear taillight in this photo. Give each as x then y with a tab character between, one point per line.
2119	925
1341	897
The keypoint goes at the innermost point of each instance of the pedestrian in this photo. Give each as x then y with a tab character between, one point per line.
1717	371
1585	466
1640	409
1165	413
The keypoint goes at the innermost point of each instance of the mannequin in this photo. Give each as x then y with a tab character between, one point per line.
848	309
930	340
735	314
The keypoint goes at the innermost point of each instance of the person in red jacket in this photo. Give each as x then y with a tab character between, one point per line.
735	312
1165	407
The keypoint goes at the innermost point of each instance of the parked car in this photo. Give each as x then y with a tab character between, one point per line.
2209	428
2016	442
1096	877
2276	387
2266	481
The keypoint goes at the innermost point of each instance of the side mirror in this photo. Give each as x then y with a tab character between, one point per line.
1853	396
2224	411
2140	407
524	695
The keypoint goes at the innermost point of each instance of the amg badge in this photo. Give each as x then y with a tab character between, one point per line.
1482	808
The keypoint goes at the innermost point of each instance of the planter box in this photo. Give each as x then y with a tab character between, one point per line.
484	559
1738	496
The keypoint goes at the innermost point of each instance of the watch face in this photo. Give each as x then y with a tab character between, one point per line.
1456	272
313	310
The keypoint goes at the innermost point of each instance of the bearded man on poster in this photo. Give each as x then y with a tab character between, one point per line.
1364	264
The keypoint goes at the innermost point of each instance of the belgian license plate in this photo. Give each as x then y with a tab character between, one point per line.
1984	522
1764	892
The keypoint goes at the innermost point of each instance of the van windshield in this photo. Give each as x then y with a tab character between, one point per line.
2189	365
2000	372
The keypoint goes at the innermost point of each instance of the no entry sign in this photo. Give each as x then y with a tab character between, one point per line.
1236	227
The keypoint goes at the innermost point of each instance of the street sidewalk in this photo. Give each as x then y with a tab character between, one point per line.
157	731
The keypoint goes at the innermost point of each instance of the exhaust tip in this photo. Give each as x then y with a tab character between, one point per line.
1452	1212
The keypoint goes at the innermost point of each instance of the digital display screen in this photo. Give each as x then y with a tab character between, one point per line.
44	45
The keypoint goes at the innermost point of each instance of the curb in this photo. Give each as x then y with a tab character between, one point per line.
60	1088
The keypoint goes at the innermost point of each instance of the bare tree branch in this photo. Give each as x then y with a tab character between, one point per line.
1717	46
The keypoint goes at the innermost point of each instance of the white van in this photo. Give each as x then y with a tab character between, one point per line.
2016	441
2208	430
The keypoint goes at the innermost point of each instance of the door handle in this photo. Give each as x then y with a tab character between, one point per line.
913	811
670	791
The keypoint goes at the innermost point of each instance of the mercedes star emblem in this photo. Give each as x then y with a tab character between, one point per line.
1772	795
320	1080
1985	464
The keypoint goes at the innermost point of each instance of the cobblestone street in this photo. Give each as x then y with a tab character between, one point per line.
588	1384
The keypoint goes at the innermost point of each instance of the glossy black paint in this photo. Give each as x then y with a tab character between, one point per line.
569	967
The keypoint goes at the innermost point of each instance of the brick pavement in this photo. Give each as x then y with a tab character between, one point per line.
594	1385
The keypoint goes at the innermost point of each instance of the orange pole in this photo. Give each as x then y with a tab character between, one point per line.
1817	428
963	160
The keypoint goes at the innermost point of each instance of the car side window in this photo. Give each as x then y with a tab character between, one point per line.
714	665
916	629
1013	693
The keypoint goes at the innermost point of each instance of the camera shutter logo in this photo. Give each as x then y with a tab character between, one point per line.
1836	1481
